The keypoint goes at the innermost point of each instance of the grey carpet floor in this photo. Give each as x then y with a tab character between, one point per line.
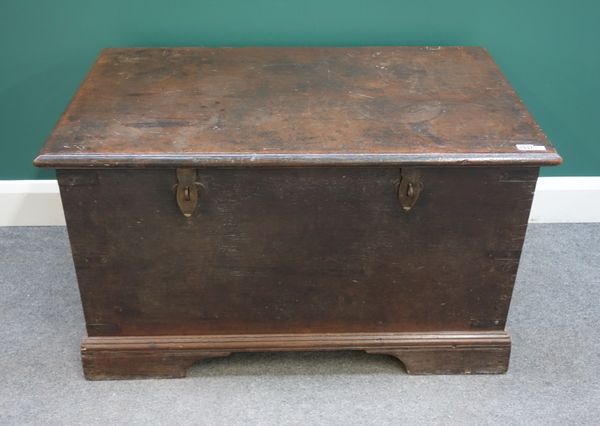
553	377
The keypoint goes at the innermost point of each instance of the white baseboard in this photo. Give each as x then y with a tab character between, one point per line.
557	200
30	203
567	199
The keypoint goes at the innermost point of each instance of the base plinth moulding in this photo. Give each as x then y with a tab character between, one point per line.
170	356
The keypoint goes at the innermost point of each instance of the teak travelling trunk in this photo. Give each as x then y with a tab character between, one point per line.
273	199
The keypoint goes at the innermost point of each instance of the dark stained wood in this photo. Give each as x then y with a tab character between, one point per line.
296	250
206	216
294	106
171	356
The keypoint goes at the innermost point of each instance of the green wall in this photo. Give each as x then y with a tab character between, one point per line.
549	50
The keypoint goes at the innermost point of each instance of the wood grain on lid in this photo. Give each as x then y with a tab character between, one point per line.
217	107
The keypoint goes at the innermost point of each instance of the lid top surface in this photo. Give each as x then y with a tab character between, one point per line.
295	106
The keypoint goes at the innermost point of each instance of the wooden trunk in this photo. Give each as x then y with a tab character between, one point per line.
370	198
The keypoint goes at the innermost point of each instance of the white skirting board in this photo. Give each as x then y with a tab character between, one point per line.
557	200
567	199
30	203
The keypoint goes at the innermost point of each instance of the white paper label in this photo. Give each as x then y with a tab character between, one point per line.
530	147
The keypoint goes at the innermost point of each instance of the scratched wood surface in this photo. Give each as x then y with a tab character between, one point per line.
296	250
308	257
294	106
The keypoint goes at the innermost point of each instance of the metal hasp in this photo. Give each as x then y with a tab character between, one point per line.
188	191
409	188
